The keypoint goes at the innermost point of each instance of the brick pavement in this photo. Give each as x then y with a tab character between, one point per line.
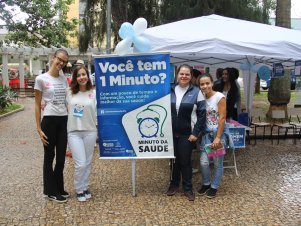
267	192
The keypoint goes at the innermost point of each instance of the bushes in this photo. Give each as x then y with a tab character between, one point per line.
6	97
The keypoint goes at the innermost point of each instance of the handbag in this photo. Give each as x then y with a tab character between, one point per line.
220	150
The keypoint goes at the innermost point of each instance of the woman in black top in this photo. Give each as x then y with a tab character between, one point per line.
228	86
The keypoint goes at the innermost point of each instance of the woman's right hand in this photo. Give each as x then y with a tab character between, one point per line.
216	143
43	137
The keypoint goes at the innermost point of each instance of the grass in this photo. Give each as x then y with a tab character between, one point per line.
10	108
260	100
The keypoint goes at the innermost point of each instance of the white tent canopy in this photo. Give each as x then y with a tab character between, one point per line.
218	41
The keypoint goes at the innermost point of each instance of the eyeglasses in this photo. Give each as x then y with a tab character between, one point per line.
61	60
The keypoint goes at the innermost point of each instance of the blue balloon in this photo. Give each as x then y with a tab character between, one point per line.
141	44
264	73
126	30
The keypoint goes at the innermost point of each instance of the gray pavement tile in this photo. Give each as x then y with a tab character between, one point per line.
266	192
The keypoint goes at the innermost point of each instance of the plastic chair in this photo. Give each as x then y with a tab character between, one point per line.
294	117
280	121
257	120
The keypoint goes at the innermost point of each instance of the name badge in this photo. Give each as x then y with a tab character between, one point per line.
78	110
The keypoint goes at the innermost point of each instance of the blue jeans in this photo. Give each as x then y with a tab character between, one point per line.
205	163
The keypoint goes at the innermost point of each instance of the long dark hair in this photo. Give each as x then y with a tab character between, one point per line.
232	78
233	94
74	84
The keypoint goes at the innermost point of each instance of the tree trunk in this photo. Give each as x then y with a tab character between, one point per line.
279	94
283	13
279	91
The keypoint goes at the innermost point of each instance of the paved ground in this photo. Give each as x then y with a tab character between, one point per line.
267	192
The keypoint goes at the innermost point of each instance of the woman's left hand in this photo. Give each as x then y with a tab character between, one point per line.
192	138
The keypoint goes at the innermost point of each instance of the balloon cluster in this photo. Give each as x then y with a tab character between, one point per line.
131	35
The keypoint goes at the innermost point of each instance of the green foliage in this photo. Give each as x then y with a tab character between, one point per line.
158	12
6	97
252	10
46	22
94	21
177	10
92	25
10	108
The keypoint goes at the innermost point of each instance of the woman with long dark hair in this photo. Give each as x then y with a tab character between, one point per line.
82	132
227	85
214	137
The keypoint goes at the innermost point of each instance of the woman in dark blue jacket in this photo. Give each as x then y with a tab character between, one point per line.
188	112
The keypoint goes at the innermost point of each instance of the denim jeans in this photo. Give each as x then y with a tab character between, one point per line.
205	163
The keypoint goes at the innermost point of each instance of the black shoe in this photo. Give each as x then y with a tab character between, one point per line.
87	194
65	194
57	198
203	189
190	195
81	197
172	190
211	193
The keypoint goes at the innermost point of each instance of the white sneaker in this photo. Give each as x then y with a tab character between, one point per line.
87	194
81	197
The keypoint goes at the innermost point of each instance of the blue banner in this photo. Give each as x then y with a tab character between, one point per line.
238	136
133	106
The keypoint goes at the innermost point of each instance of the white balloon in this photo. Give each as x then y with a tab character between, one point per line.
140	26
123	47
131	50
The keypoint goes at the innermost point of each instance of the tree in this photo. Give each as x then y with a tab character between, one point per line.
45	24
178	9
158	12
252	10
122	11
279	92
283	13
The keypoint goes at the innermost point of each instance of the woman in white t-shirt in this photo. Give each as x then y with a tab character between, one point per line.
82	132
50	89
214	136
